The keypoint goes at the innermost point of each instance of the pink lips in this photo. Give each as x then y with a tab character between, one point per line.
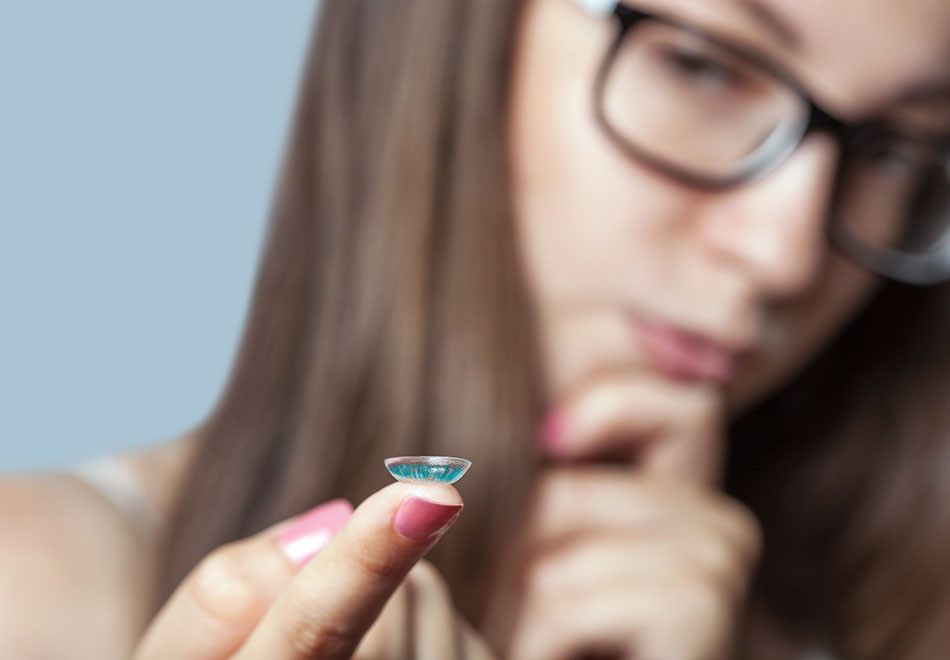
685	355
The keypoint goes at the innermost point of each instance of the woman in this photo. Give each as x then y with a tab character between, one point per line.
585	247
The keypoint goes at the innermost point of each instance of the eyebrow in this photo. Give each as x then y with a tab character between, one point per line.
928	92
768	18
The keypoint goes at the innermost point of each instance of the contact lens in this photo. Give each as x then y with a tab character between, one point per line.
432	469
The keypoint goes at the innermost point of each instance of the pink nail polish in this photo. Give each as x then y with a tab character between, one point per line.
311	531
552	430
419	519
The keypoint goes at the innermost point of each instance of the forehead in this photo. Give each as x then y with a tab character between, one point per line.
854	54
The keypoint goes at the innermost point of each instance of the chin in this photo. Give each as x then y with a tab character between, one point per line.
756	384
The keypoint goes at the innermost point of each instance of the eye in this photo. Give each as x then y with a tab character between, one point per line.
700	69
429	469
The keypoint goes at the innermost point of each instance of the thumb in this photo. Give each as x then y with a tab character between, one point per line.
335	598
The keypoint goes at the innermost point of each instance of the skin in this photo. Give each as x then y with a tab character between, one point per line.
626	561
748	266
622	558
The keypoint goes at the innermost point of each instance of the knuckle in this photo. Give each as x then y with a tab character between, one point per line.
709	597
718	569
222	588
703	604
555	572
746	529
717	558
312	638
542	579
378	565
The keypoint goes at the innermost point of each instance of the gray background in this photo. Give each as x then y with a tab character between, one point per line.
139	145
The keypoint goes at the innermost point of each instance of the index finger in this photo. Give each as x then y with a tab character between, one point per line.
666	428
335	598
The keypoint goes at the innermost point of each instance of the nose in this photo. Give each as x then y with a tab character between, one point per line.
772	229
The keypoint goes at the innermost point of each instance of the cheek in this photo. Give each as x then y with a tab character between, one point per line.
576	195
797	331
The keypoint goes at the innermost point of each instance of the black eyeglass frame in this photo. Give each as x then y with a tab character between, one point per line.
930	267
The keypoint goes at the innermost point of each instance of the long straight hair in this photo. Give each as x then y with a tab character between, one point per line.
848	469
390	316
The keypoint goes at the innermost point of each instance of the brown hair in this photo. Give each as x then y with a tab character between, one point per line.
390	317
848	469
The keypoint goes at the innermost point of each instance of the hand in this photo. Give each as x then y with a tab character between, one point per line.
251	600
645	561
420	623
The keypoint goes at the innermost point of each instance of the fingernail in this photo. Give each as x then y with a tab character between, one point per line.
419	519
311	531
552	430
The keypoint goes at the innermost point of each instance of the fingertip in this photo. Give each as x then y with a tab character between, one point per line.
419	519
338	595
434	492
416	511
439	493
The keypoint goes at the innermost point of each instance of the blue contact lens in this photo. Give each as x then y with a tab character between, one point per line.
431	469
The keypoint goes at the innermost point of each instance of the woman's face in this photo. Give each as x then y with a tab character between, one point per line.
736	288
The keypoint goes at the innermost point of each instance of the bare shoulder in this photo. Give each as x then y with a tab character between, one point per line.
72	567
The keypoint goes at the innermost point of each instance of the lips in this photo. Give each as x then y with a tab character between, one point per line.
685	355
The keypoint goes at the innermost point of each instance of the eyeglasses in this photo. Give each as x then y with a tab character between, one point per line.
715	115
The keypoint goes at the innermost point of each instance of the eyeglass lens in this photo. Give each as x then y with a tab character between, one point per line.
697	108
706	110
895	193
